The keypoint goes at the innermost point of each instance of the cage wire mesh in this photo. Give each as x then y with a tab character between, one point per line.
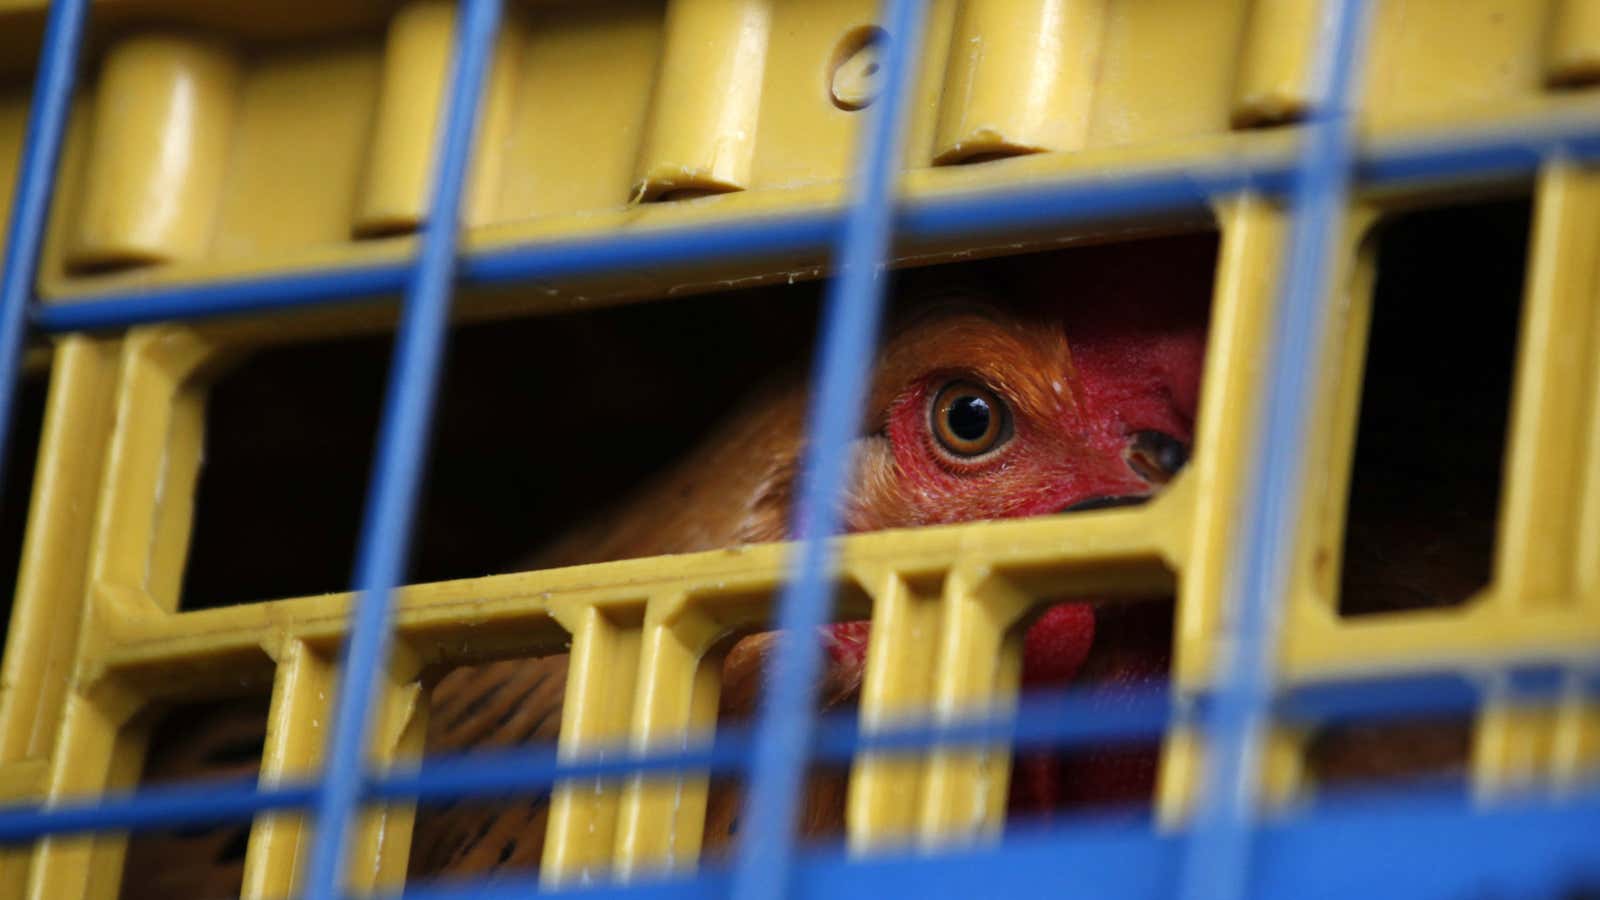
1226	849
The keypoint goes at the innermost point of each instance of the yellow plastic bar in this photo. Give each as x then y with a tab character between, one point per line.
295	735
661	820
394	192
707	96
1275	69
416	56
159	153
142	527
1252	238
881	807
599	702
1019	78
1576	742
52	584
1253	234
382	845
1512	745
100	748
1554	412
48	606
979	668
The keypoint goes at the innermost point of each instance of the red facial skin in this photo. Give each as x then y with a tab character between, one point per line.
1078	387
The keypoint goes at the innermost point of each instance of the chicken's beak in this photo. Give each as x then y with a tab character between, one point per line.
1155	457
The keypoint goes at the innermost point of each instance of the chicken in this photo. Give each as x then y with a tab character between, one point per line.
1055	400
976	412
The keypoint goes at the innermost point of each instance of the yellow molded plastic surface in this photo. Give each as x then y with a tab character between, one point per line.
706	99
165	109
210	143
1016	78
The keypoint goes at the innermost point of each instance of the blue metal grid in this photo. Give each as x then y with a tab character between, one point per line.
1363	844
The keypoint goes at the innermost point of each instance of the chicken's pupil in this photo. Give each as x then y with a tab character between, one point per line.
968	418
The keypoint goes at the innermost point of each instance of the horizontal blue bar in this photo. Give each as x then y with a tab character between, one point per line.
1157	191
1049	719
278	293
1416	848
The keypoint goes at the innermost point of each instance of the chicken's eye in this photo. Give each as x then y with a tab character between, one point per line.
969	420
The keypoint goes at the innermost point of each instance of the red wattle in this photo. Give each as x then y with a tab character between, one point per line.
1055	647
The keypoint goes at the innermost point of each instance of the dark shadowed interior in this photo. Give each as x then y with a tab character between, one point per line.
1430	443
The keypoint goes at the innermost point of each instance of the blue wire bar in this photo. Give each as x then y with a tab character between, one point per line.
846	349
36	177
1218	863
402	452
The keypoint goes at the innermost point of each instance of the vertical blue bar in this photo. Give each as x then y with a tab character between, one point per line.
1217	864
402	443
30	204
848	343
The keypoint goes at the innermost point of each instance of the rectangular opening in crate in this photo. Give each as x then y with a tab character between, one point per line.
1432	751
1425	488
1010	388
542	423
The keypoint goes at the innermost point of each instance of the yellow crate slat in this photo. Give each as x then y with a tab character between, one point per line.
510	614
1555	402
979	667
660	819
301	704
1253	236
381	846
1511	746
45	623
100	748
1576	741
898	682
601	684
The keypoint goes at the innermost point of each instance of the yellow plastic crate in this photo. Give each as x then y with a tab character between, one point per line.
216	141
